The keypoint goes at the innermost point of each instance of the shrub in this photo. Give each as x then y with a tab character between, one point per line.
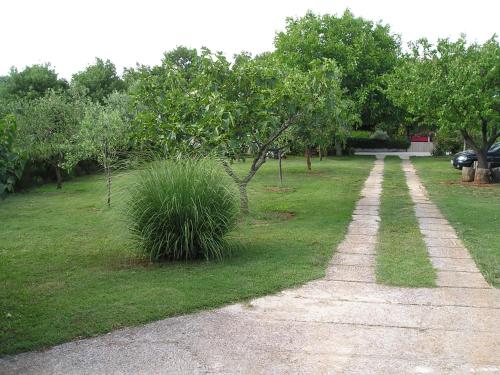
11	162
182	210
380	134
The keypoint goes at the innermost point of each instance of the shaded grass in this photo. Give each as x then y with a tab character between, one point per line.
68	268
402	258
474	211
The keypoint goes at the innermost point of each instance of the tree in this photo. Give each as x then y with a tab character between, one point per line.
336	118
454	86
11	160
231	111
47	129
31	83
100	80
364	51
104	135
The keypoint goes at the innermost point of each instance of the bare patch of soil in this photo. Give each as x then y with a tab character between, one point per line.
280	215
471	184
278	189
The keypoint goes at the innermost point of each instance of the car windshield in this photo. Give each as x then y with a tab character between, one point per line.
495	147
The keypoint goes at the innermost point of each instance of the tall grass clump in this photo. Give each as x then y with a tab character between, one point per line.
182	210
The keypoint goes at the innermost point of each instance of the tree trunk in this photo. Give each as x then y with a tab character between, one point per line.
107	169
482	158
280	167
58	176
308	157
108	175
243	197
482	176
320	153
338	148
468	174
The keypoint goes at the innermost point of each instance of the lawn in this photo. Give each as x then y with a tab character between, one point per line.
474	211
69	270
402	258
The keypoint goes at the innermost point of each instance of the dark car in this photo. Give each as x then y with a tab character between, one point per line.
468	157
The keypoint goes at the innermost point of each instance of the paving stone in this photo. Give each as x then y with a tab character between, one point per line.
448	252
432	220
351	273
444	242
461	279
353	259
444	234
356	248
451	264
436	227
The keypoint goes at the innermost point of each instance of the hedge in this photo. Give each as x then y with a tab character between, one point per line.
377	143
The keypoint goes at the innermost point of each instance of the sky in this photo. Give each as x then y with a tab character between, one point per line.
71	33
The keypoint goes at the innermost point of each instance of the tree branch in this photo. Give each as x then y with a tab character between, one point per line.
484	132
230	171
260	158
468	140
494	135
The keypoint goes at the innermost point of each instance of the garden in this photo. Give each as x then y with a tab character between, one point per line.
207	180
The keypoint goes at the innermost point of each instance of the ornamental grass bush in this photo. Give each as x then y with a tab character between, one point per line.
182	210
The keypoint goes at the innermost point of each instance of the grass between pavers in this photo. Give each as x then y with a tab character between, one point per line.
68	269
474	211
402	258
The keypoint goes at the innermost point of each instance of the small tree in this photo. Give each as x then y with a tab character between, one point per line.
455	86
104	135
48	127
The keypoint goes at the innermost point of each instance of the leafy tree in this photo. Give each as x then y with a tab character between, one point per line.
11	160
48	127
454	86
31	83
210	106
104	135
334	121
100	80
363	50
180	112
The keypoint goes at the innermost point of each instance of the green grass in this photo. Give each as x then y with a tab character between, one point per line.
68	268
402	258
474	211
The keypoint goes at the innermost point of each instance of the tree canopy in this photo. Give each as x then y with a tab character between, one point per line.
206	105
363	50
100	80
454	86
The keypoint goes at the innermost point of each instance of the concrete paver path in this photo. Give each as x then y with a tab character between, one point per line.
342	324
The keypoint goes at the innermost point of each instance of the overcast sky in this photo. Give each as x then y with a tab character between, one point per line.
71	33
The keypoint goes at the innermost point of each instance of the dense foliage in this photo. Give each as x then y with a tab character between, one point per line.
364	51
182	210
30	83
455	86
100	80
368	143
201	104
48	127
11	161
